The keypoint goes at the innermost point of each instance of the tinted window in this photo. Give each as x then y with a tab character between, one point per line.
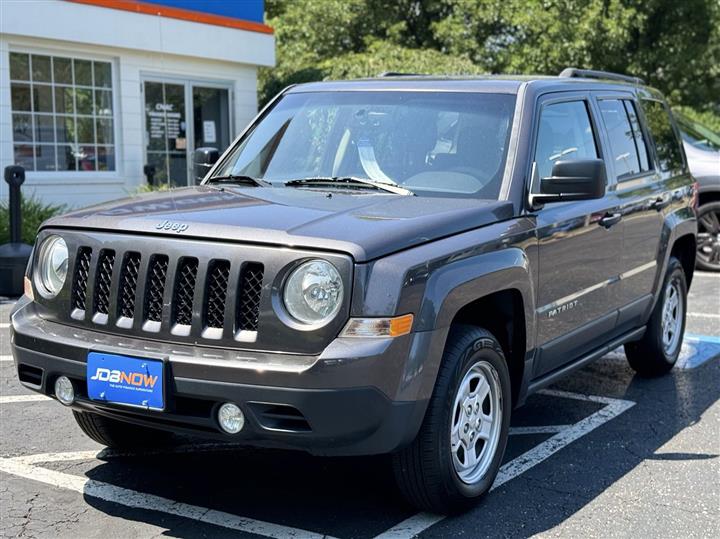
666	143
638	134
622	138
564	133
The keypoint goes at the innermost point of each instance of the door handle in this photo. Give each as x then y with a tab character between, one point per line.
610	219
660	203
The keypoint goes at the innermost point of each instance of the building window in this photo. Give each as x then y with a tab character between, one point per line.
62	113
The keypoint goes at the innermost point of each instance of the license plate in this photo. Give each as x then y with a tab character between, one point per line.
125	380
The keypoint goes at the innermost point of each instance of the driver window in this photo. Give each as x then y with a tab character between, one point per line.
565	132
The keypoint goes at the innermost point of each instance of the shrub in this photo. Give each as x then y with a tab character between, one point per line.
33	211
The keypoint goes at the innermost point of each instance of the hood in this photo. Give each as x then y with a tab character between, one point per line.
364	225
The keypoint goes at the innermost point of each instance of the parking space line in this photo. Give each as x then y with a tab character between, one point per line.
150	502
11	399
613	407
4	325
700	338
104	454
5	358
544	429
704	315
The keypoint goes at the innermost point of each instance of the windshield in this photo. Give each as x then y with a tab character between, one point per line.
440	143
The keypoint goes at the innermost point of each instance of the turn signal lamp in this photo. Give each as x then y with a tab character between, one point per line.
378	327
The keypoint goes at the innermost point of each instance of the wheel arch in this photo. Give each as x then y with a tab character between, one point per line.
495	291
502	314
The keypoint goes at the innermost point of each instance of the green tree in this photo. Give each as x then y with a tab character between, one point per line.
674	45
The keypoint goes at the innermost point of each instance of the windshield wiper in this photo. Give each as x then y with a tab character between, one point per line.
239	179
349	180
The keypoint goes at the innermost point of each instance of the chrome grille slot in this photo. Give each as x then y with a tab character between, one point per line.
216	293
249	294
184	292
80	278
103	280
128	285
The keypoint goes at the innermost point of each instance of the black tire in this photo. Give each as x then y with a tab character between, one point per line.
424	471
118	434
708	239
649	356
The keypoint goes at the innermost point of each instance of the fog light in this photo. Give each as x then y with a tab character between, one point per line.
64	390
231	418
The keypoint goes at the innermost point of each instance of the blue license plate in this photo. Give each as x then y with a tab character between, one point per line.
125	380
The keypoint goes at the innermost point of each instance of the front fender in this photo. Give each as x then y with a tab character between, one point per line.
451	288
434	281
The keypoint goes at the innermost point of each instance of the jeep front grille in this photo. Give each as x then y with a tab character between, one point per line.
184	291
103	280
137	298
155	288
216	292
80	281
248	302
128	285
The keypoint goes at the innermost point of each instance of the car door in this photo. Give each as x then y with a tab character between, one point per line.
642	200
579	243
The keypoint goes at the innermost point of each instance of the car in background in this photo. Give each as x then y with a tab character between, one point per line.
702	147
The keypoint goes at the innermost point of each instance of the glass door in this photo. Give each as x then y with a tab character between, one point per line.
211	118
165	132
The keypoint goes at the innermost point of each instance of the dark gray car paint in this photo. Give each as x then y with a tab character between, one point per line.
365	226
429	257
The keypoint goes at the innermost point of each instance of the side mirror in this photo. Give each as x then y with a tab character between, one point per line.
576	179
203	159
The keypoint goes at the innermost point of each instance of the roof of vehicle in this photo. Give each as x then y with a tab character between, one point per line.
470	83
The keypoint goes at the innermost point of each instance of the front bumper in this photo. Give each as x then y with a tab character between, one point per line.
356	398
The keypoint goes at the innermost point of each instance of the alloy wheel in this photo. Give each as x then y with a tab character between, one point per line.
476	421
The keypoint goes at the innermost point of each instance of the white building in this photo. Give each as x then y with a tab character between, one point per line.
91	91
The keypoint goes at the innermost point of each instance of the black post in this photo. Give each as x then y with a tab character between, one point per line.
15	177
14	256
149	171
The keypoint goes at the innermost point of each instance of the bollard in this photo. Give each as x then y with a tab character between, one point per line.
15	177
14	256
149	171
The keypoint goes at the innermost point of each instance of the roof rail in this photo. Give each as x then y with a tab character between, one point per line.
572	72
399	74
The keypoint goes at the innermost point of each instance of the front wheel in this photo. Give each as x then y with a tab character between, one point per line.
658	350
458	451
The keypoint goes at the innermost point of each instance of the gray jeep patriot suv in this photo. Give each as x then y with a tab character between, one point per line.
375	266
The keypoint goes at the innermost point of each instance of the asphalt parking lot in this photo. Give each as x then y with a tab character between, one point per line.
603	453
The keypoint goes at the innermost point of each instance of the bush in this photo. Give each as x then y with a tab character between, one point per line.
34	212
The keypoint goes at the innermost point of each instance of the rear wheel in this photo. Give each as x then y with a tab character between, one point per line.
658	350
118	434
708	237
457	453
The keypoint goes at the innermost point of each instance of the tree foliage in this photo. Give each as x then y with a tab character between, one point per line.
673	45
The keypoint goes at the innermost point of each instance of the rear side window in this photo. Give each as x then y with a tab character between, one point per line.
565	133
667	144
629	152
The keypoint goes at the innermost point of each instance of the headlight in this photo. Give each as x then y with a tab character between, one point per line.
313	293
52	265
